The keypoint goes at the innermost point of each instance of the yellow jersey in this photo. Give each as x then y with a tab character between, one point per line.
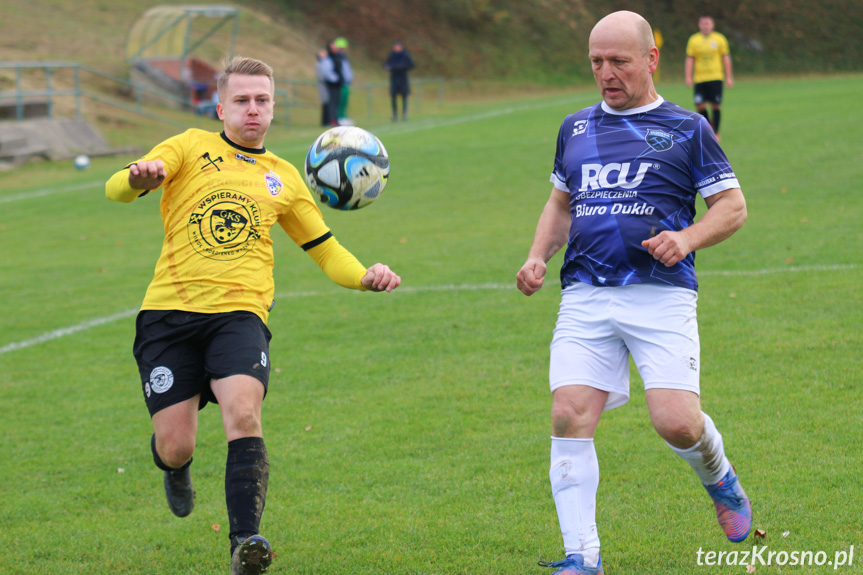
707	52
219	203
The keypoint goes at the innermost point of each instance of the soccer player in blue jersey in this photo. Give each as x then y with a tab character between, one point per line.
626	175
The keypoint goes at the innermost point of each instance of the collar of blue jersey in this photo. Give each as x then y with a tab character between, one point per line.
651	106
243	148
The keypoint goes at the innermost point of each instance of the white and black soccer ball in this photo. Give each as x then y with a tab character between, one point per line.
82	162
347	167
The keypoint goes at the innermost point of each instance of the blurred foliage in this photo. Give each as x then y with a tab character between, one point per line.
546	40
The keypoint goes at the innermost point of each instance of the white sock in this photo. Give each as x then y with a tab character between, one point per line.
707	456
574	475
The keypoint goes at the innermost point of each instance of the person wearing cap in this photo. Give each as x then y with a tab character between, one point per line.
341	45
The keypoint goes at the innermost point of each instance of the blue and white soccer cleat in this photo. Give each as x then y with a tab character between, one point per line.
733	509
252	556
574	565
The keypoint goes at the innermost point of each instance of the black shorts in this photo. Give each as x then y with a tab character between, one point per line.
179	352
708	92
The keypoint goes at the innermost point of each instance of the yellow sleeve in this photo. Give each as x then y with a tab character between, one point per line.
117	188
339	264
171	152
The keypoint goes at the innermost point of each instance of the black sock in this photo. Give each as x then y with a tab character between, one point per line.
706	115
716	116
247	473
158	460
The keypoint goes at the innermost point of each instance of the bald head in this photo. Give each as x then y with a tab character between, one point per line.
623	57
624	26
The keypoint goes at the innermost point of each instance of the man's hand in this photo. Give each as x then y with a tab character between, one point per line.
668	247
531	276
147	175
380	277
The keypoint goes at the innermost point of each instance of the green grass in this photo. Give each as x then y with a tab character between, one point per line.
408	433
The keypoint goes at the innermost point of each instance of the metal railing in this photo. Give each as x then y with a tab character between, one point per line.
290	94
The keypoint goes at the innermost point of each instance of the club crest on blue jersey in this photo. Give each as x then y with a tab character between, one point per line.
579	127
274	183
658	140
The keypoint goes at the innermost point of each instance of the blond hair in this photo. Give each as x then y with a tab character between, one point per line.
243	66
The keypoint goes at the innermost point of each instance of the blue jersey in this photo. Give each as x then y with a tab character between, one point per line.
631	175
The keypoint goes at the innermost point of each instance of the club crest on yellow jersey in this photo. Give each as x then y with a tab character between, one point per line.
224	225
274	183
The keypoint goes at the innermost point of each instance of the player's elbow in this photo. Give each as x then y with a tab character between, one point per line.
740	214
120	196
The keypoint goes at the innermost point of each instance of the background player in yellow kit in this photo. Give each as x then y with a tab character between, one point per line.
708	63
201	334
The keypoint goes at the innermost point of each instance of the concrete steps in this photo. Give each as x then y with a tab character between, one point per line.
50	139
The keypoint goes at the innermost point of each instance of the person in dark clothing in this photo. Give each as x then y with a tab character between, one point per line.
334	86
399	63
325	72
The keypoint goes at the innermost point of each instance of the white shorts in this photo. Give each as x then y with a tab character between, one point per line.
599	327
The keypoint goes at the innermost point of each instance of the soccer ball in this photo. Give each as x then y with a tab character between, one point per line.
347	167
82	162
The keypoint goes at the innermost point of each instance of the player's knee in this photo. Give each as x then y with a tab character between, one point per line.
245	423
176	453
679	432
572	420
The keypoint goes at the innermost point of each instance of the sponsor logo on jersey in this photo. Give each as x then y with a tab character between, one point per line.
161	380
658	140
579	127
598	176
209	162
274	183
240	156
224	225
617	208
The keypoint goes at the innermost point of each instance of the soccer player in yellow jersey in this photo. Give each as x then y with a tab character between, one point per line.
201	334
708	63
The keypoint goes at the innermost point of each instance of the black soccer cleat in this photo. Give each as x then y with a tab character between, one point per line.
178	490
251	556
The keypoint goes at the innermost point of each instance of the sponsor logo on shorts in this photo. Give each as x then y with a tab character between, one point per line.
161	380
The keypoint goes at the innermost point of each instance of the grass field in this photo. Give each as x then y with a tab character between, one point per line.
408	432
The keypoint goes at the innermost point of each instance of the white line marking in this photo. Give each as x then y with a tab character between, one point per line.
62	332
477	117
574	100
51	191
791	269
